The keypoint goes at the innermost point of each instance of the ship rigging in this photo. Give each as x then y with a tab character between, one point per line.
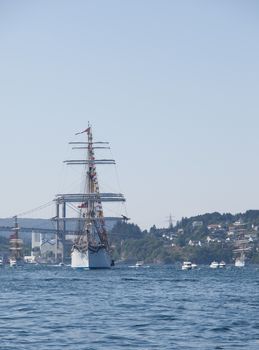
91	248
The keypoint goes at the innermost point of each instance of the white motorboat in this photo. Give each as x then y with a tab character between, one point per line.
30	259
214	265
187	265
139	263
222	264
12	262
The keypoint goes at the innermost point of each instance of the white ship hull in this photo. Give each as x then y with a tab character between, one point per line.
91	260
240	263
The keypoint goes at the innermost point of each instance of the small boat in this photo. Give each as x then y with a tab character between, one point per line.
29	259
222	264
214	265
12	262
187	265
1	262
139	263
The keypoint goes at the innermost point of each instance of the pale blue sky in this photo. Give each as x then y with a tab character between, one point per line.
173	85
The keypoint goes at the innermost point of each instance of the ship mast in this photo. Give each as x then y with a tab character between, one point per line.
95	218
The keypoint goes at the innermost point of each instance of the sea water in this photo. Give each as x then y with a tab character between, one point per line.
129	308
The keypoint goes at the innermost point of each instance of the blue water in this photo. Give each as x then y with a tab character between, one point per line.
128	308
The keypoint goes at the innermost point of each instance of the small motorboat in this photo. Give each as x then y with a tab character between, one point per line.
12	262
139	263
222	264
187	265
214	265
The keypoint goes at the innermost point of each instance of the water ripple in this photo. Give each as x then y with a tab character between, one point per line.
155	308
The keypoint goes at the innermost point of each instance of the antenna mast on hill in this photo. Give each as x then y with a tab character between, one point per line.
170	222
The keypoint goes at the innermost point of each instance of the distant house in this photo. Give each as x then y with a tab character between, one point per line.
230	233
239	224
197	224
214	227
194	243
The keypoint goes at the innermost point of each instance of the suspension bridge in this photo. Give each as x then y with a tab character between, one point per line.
63	226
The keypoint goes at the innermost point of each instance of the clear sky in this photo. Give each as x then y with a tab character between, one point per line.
173	85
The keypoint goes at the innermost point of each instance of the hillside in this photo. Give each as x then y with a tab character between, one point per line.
201	239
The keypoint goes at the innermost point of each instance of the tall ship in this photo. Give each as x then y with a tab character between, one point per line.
242	246
240	261
91	248
16	246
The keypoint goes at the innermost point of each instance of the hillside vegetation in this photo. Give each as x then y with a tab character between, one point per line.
200	239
